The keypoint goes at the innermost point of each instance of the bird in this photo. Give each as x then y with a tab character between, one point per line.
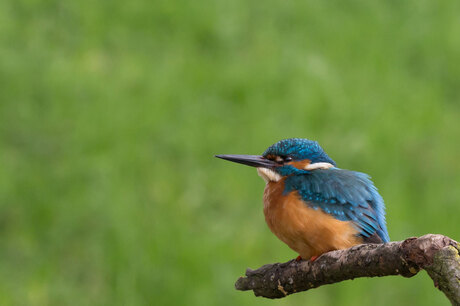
312	205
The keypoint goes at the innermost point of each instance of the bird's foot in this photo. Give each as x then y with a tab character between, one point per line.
312	259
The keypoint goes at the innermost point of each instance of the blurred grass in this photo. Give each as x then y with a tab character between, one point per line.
110	113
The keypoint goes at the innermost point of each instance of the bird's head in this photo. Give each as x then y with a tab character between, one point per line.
286	157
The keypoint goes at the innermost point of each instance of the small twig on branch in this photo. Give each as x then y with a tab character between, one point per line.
437	254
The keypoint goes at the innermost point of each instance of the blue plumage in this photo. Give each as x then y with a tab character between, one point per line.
299	149
347	195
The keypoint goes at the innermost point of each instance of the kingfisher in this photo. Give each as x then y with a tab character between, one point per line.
312	205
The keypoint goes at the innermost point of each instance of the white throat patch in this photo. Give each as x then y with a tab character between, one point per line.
268	175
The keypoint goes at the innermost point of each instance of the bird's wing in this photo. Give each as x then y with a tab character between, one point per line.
347	195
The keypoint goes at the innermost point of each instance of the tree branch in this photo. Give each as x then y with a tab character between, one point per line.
437	254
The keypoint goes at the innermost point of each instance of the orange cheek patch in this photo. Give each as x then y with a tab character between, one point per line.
301	164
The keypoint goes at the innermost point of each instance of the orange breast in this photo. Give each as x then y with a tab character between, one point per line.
307	231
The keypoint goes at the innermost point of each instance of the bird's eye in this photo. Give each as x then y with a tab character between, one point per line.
288	159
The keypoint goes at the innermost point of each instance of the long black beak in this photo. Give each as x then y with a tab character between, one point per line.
249	160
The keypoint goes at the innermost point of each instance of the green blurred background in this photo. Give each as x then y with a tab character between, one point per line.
111	112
